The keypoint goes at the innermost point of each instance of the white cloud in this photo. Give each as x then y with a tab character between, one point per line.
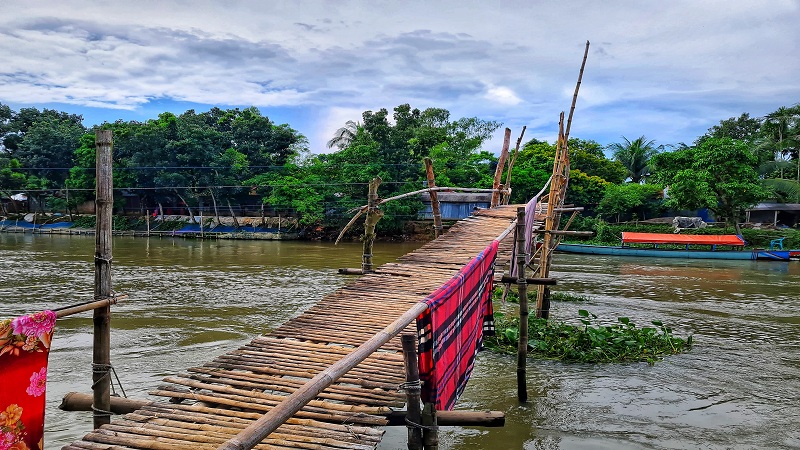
668	70
502	95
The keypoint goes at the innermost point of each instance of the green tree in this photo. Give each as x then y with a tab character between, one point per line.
719	173
630	199
743	128
635	156
781	132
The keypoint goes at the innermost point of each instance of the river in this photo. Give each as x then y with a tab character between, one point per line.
191	300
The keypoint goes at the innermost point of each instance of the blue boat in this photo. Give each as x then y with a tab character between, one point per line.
736	251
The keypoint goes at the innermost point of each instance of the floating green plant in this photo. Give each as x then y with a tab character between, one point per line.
589	343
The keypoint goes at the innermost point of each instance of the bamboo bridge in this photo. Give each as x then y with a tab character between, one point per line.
208	405
333	376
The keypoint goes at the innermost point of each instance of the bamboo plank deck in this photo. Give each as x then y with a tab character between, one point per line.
210	404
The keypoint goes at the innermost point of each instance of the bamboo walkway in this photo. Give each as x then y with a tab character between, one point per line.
210	404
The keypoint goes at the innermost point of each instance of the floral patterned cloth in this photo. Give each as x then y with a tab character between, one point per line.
24	345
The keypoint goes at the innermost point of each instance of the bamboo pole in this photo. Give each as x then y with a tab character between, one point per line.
522	287
507	192
498	173
435	207
373	216
413	390
101	353
577	88
551	221
430	431
270	421
70	310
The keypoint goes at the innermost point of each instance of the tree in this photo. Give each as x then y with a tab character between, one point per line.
743	128
781	130
344	135
639	200
590	171
719	174
635	156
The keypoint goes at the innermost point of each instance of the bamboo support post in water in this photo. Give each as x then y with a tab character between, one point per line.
522	287
435	207
413	389
498	173
101	354
373	216
430	431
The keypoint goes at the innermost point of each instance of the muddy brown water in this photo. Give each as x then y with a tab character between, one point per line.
739	387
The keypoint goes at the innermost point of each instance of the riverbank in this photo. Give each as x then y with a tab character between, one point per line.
245	228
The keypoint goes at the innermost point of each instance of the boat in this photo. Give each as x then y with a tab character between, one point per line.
728	246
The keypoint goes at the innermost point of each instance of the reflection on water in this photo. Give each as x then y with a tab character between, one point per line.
192	300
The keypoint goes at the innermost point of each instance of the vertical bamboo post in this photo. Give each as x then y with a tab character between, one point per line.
413	390
522	287
201	221
437	213
147	219
498	172
430	434
372	217
101	353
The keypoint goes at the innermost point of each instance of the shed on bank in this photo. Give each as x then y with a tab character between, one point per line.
455	205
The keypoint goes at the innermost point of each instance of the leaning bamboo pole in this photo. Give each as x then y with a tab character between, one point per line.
498	173
435	209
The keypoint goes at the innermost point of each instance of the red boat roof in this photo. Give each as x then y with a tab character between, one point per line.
665	238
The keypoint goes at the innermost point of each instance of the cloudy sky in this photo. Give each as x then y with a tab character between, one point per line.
668	70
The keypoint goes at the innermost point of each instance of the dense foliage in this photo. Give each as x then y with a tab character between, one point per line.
227	161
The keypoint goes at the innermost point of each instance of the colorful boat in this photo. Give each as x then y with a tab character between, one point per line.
728	246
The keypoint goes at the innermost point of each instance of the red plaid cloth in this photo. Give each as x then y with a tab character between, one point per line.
24	345
451	330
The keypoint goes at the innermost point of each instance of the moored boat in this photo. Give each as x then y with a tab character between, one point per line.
695	247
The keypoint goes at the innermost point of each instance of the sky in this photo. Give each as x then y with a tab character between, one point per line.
668	70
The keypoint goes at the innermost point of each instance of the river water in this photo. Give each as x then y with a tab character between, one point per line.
739	386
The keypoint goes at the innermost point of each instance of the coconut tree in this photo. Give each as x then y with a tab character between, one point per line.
635	156
344	135
782	132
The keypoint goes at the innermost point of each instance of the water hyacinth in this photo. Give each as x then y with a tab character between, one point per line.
590	343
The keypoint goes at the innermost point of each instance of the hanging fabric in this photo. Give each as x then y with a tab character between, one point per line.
451	330
24	346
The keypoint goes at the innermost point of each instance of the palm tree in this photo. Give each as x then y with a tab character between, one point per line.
635	156
782	129
344	135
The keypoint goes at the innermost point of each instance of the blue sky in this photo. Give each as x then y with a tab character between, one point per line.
666	70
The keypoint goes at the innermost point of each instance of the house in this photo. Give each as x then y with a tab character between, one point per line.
777	214
455	205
